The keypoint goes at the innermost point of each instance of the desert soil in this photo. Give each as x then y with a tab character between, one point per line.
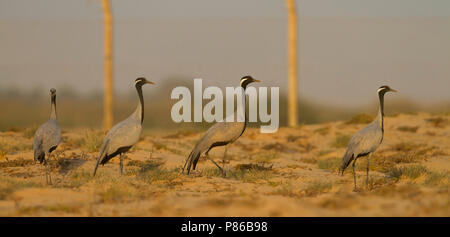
293	172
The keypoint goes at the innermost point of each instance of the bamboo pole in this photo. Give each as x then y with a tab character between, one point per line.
293	63
108	118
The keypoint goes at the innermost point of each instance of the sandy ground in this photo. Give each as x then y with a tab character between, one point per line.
289	173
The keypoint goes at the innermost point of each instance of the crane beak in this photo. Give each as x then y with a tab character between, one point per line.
256	80
394	90
150	82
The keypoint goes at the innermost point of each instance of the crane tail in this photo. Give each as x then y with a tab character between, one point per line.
39	154
100	157
96	166
346	160
192	160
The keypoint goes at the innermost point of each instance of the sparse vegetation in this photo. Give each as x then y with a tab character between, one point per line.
272	181
114	193
323	130
266	157
91	141
415	172
76	179
411	129
159	146
410	172
245	172
153	171
8	148
59	208
341	141
278	147
360	119
16	163
438	178
9	185
438	122
329	164
317	187
180	134
286	190
308	160
30	131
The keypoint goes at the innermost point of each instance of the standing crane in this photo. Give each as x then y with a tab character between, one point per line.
367	140
125	134
222	133
47	138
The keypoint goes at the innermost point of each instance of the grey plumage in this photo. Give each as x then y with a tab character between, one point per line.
47	138
367	139
125	134
220	134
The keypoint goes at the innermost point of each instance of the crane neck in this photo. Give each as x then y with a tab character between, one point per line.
243	106
53	107
139	112
380	116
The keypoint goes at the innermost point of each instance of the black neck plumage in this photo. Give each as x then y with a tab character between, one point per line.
141	100
381	97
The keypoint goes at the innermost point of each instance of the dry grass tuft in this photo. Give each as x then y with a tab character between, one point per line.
91	141
438	122
247	173
410	172
20	162
251	175
252	167
438	178
325	130
59	208
152	171
410	129
76	179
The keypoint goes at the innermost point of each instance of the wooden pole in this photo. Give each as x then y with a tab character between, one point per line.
108	118
293	63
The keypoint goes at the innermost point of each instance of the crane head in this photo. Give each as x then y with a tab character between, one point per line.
384	89
142	81
247	80
52	91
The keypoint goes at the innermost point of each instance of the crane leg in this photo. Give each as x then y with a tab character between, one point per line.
367	170
218	166
121	163
48	178
46	173
223	160
49	171
354	175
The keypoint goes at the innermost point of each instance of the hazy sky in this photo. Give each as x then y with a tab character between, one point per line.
347	47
